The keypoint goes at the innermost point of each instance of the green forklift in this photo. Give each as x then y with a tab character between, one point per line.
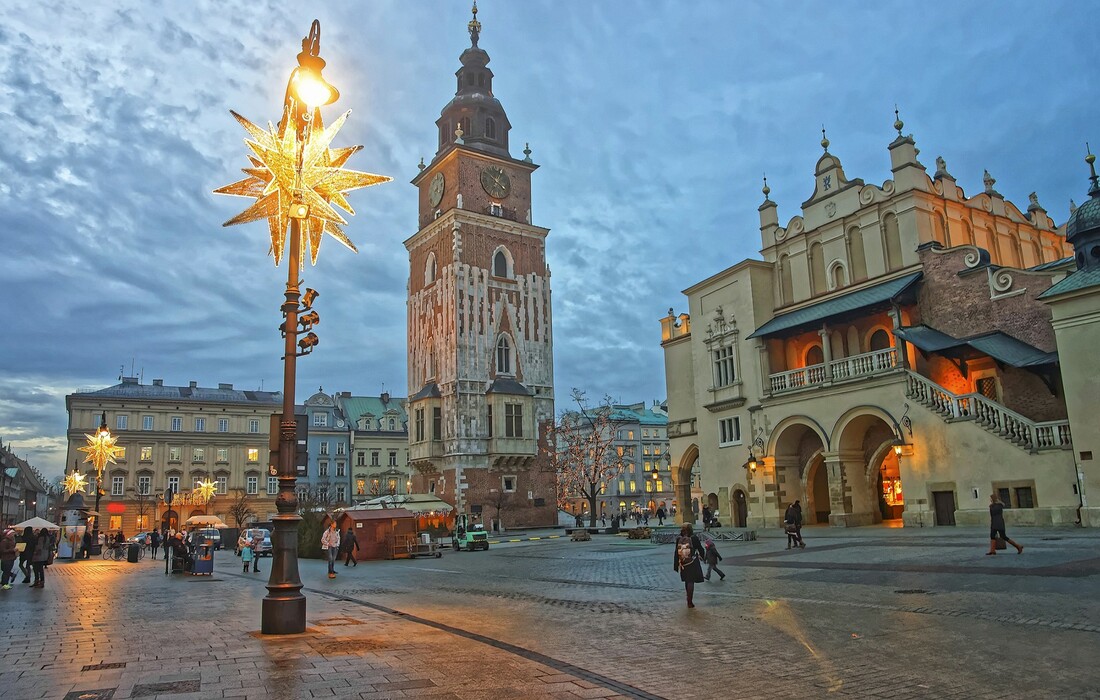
469	536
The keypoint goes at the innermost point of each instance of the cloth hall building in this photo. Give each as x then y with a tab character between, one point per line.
889	358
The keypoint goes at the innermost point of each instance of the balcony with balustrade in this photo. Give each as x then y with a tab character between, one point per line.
866	364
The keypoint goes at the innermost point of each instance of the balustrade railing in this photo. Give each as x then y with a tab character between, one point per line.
989	414
852	367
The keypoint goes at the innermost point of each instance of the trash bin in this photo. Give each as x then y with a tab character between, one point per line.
133	552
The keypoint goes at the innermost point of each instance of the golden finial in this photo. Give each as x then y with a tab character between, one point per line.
474	26
766	190
824	140
898	123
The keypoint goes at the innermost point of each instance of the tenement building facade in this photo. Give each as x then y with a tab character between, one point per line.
176	437
887	359
480	344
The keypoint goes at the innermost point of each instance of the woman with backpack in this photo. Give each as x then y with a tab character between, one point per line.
686	559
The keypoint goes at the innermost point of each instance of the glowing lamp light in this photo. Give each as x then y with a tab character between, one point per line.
308	87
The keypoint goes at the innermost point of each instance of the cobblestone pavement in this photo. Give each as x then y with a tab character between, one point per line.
869	612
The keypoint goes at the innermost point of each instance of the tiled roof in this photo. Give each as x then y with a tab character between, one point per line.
134	390
997	345
1082	279
845	303
507	385
356	406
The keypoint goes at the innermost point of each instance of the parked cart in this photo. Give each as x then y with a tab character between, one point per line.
423	546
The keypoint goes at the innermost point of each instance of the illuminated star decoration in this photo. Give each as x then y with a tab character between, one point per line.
206	490
101	449
274	181
74	482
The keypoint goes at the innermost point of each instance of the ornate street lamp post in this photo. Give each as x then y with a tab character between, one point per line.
296	179
100	451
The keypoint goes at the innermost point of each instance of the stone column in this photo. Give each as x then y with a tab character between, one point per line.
765	367
826	352
682	490
900	346
849	501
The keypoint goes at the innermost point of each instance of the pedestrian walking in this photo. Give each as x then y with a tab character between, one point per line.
29	541
997	526
603	519
661	516
8	554
685	559
706	518
791	524
247	554
43	549
798	523
330	545
713	557
86	544
645	518
154	542
350	545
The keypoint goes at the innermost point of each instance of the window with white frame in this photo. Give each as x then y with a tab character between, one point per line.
175	454
223	425
320	420
272	485
174	484
223	485
200	425
253	425
341	448
323	448
513	420
120	453
120	421
146	422
341	494
177	424
724	373
118	485
145	484
322	468
198	454
341	470
393	458
374	458
253	454
252	485
223	454
508	484
729	431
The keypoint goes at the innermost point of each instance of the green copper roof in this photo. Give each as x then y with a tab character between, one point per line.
1082	279
356	406
814	314
1000	346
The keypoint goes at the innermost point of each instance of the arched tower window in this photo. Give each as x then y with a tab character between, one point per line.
815	356
880	340
429	270
490	128
786	284
502	263
892	237
817	268
504	356
840	279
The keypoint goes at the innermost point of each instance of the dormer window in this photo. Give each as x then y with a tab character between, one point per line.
504	356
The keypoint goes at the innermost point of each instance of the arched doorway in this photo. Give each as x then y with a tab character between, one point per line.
817	493
871	471
170	520
797	447
740	509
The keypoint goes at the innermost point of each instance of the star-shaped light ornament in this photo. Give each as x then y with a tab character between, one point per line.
101	449
276	182
74	481
206	490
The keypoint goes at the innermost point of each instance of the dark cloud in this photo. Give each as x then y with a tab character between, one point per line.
653	123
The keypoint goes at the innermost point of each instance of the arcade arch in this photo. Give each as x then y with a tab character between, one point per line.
865	437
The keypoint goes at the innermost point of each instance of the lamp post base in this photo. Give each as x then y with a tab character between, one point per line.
283	615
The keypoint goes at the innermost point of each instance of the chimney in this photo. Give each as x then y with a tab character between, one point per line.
193	384
129	380
385	397
225	386
158	382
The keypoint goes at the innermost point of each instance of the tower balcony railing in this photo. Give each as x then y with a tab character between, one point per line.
853	367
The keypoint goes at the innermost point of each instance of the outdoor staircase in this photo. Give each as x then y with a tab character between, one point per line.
995	418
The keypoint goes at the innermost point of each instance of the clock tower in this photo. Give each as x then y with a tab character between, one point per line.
480	357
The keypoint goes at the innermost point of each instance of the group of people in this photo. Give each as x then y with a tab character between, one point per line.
34	549
333	545
792	525
249	549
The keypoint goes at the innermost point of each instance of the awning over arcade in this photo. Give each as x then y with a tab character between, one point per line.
845	305
1000	346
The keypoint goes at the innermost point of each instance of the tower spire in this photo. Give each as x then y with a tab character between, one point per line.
1094	190
474	27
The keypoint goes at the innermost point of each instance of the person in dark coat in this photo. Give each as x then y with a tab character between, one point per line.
8	554
350	545
154	542
86	544
43	547
997	526
29	542
686	558
712	558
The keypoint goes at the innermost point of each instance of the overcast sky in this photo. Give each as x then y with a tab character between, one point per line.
653	122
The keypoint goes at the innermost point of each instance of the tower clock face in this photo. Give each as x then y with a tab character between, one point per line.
496	182
435	189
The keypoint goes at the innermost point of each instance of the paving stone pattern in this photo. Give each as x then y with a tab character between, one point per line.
873	612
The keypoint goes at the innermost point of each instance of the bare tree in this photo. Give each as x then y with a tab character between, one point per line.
580	448
240	508
501	501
